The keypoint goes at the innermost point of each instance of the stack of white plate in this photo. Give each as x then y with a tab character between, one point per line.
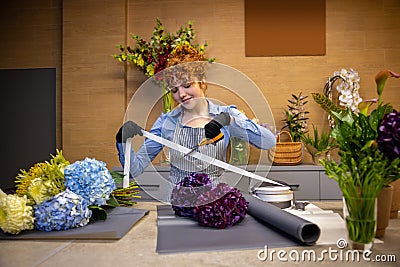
280	196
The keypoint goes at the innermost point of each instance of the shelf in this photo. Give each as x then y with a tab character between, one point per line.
313	183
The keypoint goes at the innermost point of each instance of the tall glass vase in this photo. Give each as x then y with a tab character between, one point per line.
168	102
168	105
360	216
239	151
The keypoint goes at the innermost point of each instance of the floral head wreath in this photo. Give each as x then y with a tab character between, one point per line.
186	64
183	54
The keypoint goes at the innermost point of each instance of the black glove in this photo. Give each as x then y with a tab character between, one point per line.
212	129
128	130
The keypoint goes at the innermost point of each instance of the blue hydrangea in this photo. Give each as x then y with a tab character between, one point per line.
90	179
62	212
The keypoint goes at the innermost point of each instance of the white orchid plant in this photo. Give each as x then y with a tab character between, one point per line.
348	89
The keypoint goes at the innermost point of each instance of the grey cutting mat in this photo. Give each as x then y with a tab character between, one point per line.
180	234
120	220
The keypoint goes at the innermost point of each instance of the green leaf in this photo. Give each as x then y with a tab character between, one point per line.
112	201
348	117
118	177
368	145
378	114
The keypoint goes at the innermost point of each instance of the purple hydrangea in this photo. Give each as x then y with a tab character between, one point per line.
389	135
64	211
225	206
90	179
185	193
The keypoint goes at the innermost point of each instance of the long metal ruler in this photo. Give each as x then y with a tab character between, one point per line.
194	154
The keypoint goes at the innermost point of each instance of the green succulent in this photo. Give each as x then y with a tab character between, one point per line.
318	143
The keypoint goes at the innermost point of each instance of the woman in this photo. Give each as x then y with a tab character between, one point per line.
196	118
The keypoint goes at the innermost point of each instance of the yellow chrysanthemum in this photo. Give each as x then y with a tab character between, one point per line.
140	61
150	70
24	179
15	214
51	176
38	191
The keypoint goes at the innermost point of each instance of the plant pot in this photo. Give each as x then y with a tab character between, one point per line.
394	210
360	217
316	158
384	205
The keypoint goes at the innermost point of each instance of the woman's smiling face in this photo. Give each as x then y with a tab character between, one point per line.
188	94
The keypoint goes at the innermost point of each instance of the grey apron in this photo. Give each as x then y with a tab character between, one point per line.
182	166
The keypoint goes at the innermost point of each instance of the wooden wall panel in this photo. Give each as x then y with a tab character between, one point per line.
93	82
360	34
352	41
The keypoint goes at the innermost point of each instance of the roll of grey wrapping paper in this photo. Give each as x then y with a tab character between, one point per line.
303	230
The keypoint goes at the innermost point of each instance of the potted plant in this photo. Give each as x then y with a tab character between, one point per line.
368	160
295	127
296	117
318	145
347	90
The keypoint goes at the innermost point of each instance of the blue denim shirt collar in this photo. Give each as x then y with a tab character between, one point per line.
212	109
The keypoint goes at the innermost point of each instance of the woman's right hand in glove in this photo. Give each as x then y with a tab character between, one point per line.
128	130
213	128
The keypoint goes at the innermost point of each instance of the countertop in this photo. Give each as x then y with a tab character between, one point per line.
138	248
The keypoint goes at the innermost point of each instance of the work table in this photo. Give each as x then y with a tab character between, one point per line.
138	248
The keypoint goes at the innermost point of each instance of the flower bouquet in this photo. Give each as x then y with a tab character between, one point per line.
219	207
185	194
57	195
152	56
369	157
15	213
62	212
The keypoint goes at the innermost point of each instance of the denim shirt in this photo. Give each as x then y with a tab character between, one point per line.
164	126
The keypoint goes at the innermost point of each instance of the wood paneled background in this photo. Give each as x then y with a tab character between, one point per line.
79	37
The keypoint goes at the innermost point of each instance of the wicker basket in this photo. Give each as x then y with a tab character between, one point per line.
286	153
